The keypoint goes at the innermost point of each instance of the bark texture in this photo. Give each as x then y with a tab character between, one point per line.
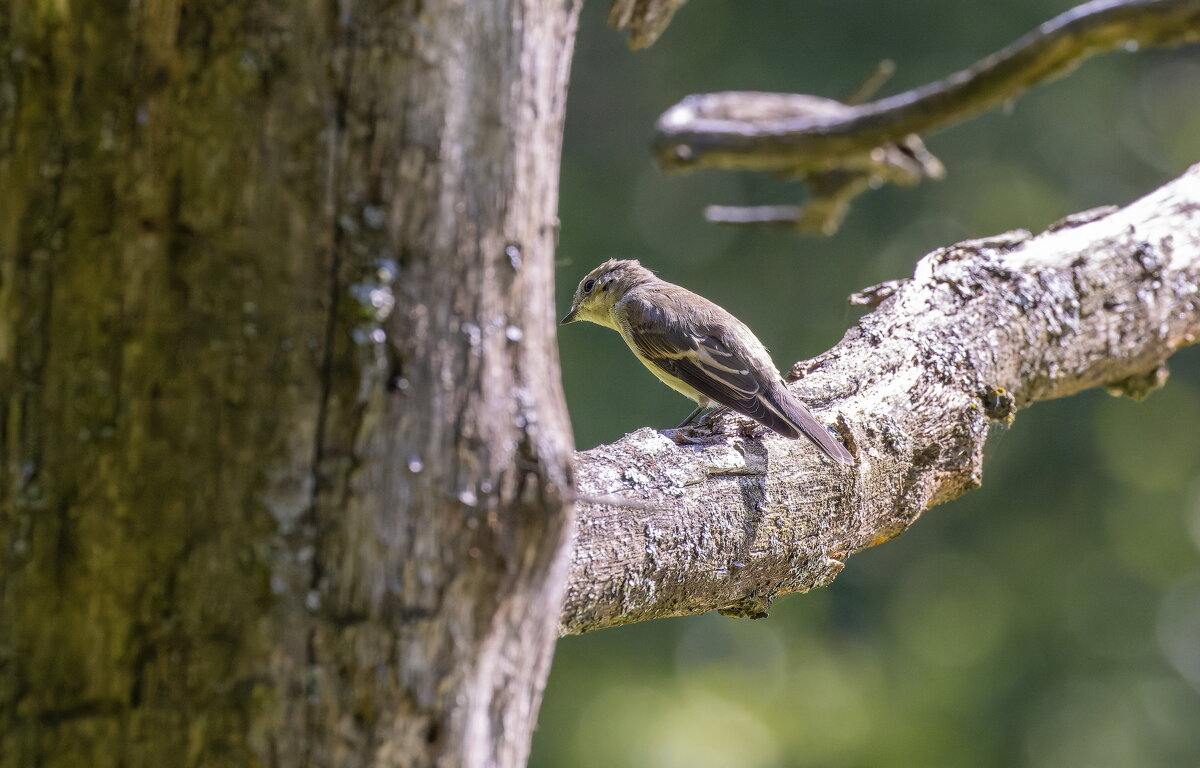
982	329
283	452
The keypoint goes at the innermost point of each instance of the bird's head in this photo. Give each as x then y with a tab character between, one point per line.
603	287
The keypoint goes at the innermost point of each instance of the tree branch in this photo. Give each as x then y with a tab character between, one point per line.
841	150
982	329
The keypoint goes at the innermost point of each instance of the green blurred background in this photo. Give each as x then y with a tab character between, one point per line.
1050	618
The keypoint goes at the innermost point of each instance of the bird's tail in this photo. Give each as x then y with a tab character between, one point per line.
795	420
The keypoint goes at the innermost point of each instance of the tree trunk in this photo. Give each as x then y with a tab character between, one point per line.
283	447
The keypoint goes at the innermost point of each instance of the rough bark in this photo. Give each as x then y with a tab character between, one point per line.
283	452
982	329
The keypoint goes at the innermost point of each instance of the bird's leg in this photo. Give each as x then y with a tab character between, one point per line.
682	433
714	413
691	417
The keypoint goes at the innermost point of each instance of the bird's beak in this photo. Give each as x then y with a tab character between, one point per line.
570	317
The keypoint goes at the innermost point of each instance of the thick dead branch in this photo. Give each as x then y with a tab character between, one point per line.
645	19
839	150
982	329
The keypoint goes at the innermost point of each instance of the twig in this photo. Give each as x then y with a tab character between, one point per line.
883	72
785	215
645	19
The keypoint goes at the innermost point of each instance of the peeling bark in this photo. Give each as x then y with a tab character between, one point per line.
982	329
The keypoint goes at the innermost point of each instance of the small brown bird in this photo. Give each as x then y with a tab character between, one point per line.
695	348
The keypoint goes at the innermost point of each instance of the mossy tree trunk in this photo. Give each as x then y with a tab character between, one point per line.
283	453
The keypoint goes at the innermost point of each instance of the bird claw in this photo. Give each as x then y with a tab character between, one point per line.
687	436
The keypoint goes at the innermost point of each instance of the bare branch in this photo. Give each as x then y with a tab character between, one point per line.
982	329
861	146
645	19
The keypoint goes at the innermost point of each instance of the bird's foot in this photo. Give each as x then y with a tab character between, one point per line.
692	436
715	413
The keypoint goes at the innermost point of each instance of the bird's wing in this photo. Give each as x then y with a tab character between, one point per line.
700	359
718	370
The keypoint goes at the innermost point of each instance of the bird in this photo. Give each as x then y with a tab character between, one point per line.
696	348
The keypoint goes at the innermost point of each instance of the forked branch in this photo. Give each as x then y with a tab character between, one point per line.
840	150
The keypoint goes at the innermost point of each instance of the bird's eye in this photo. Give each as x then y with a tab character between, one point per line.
588	286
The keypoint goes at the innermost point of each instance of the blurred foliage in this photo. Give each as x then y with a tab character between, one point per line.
1050	618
